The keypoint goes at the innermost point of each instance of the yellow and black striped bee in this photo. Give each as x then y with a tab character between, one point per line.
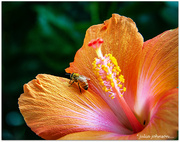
80	79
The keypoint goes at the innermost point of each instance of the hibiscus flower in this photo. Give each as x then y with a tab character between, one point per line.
132	90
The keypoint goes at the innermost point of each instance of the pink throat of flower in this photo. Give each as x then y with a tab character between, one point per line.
108	74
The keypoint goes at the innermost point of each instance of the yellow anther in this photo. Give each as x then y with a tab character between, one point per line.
111	79
109	64
102	83
97	73
94	64
97	69
118	69
124	89
110	75
113	60
103	66
117	73
99	65
121	95
120	85
99	78
114	70
104	88
111	95
108	78
105	69
110	55
121	77
112	84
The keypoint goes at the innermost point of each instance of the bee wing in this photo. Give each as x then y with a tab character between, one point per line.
88	78
85	77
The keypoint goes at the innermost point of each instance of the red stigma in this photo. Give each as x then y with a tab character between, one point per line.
95	43
100	40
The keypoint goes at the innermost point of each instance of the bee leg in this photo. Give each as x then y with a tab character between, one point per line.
79	88
71	83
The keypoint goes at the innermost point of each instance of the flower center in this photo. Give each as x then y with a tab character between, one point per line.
107	71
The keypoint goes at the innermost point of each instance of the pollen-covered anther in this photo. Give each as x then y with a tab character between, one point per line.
112	84
107	72
120	85
124	89
112	96
121	78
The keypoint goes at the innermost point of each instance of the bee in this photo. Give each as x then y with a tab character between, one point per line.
80	79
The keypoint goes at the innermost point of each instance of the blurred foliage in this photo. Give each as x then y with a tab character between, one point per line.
43	37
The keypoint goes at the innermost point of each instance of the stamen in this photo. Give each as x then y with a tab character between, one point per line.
107	71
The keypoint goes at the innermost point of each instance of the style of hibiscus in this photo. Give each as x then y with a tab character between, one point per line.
132	90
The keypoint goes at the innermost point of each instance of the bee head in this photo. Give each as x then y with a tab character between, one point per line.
71	75
74	75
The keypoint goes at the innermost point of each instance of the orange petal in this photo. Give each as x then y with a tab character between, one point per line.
123	41
160	61
52	109
98	135
159	69
91	135
164	118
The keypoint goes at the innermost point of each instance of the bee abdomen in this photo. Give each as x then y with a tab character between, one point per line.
86	87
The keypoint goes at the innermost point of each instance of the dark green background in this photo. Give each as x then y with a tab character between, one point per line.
43	37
